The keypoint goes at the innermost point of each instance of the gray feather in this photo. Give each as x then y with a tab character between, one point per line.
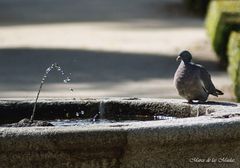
208	85
192	81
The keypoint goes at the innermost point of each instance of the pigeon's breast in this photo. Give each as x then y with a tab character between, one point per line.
186	78
188	83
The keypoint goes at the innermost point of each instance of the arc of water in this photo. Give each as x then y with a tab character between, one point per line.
49	69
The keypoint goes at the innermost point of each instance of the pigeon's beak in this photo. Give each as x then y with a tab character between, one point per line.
178	58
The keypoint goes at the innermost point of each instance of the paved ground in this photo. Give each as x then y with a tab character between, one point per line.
112	48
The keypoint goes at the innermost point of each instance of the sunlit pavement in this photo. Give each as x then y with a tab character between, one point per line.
111	48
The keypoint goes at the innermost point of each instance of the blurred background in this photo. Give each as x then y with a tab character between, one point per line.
111	48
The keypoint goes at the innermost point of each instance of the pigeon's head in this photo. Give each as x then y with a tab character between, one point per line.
185	56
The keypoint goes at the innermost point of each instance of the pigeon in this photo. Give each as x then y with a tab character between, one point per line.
193	81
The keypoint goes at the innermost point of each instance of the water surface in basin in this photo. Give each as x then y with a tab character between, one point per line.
122	119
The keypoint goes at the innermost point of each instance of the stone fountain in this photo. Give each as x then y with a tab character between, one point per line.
196	135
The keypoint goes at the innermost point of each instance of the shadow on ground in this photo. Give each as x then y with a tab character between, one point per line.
220	103
16	12
27	65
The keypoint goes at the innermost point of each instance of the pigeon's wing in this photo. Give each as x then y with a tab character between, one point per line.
207	82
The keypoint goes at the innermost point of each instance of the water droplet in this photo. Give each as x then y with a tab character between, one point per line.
77	114
48	70
71	89
82	112
95	117
67	80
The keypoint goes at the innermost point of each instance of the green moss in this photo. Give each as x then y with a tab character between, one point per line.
222	18
234	61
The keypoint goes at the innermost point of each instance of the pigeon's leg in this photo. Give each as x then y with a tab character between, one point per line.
190	101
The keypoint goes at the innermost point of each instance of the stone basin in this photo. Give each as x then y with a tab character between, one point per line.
202	135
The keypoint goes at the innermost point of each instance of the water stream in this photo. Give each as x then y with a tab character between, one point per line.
66	79
99	117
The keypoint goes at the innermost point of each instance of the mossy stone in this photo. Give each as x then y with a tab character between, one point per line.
222	18
234	61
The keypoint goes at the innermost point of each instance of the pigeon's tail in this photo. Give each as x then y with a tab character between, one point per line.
217	92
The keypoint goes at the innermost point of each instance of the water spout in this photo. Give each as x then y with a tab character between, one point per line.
49	69
101	111
102	108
